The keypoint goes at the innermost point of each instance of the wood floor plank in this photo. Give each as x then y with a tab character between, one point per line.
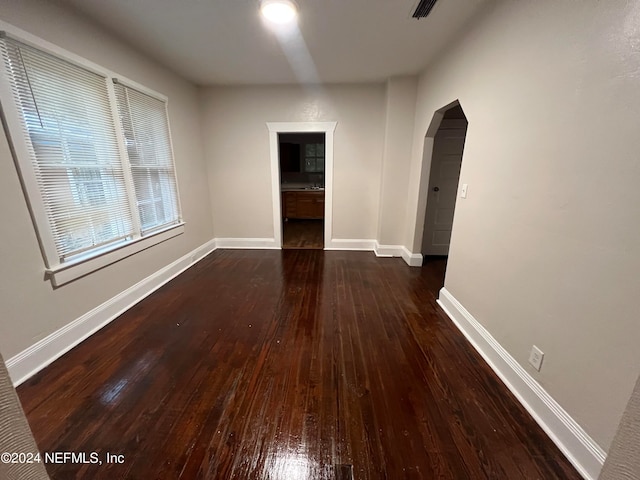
303	234
286	365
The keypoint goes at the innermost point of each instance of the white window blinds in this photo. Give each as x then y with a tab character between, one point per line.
145	127
94	156
71	137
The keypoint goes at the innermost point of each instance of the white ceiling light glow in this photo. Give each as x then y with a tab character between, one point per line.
280	12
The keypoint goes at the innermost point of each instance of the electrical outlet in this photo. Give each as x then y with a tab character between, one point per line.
535	358
463	190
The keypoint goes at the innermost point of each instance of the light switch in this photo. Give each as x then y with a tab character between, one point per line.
463	190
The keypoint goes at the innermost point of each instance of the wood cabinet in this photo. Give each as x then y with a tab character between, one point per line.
289	204
303	204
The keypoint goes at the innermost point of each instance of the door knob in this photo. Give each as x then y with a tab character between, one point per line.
436	189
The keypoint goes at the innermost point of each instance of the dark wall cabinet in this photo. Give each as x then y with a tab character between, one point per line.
289	158
303	205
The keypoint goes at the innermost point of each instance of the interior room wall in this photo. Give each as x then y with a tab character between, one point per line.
546	248
396	164
237	151
30	309
623	461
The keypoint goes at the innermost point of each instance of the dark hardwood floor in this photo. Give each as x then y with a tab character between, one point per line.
303	234
286	365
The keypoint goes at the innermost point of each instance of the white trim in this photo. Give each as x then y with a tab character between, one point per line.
126	161
30	361
21	155
350	244
387	250
410	258
41	44
328	128
581	450
73	269
247	243
64	272
337	244
115	80
53	49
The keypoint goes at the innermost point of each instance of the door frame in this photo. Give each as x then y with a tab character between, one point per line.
328	128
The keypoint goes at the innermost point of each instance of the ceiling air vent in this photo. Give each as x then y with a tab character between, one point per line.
423	8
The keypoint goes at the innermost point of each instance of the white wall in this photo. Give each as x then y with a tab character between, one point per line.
398	134
546	248
30	308
237	151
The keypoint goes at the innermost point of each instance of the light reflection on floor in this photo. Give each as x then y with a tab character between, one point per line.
112	391
290	465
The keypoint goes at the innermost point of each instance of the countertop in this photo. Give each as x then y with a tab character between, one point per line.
293	188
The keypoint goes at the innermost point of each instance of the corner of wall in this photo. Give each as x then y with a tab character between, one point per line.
574	442
396	160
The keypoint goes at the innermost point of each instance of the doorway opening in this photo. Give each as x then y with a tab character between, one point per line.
447	134
302	168
282	129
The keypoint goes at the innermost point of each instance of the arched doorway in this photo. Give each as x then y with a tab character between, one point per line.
442	158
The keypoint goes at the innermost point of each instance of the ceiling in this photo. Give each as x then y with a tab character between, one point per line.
337	41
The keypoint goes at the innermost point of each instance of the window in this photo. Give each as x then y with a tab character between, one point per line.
314	157
94	154
146	131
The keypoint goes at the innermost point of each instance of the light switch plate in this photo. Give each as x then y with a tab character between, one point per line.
463	190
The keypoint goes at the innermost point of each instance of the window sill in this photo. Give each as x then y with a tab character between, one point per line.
69	271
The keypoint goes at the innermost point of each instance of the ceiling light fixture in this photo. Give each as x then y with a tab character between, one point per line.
279	11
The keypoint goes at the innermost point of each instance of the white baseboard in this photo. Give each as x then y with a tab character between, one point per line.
246	243
30	361
579	448
350	244
387	250
411	259
354	244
